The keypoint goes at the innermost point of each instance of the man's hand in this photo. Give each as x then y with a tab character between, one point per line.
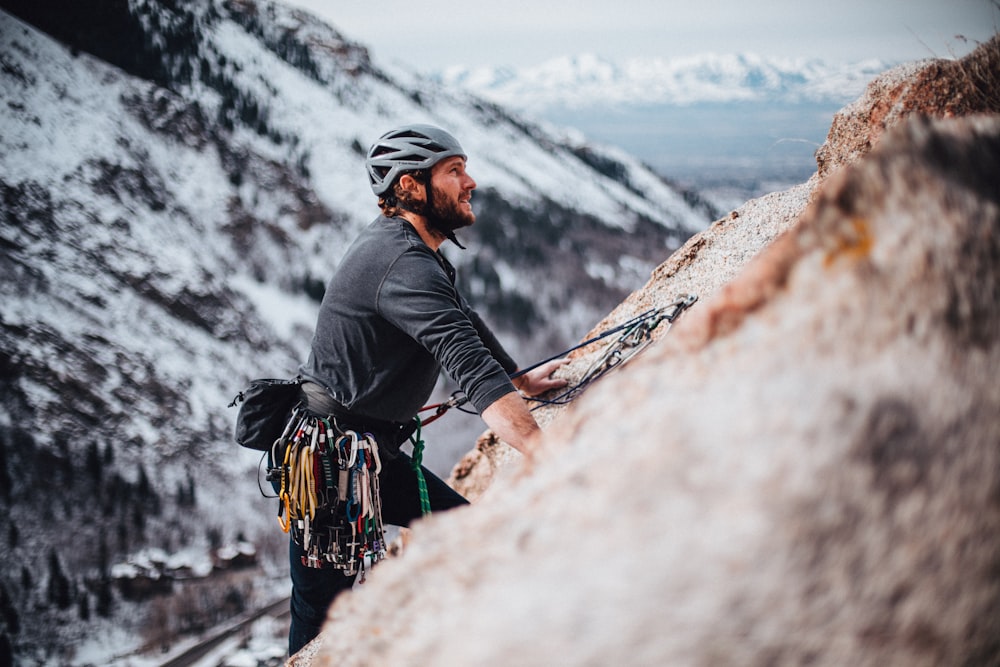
509	417
538	380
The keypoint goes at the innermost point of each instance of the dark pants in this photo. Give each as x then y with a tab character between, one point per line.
313	590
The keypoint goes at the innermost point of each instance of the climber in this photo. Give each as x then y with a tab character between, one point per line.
390	321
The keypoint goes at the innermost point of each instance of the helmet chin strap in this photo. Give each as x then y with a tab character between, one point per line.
425	210
433	221
450	235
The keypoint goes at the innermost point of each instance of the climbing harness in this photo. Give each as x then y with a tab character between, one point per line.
328	491
635	335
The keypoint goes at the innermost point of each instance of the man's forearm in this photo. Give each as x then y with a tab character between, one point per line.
513	423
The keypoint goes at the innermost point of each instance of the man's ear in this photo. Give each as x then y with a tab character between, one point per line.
409	184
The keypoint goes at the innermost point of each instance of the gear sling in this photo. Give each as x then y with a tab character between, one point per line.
324	465
327	484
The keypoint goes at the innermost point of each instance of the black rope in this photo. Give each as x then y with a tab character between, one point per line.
636	334
601	336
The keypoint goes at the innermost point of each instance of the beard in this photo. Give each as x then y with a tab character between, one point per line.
443	217
446	216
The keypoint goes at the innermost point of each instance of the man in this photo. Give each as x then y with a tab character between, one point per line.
390	320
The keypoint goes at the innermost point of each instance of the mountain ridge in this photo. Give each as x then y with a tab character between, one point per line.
587	80
733	126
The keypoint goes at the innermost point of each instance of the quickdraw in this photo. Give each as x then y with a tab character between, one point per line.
329	500
457	400
635	336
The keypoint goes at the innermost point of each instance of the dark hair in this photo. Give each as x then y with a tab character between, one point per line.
394	201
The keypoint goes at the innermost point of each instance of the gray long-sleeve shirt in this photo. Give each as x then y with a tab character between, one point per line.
391	318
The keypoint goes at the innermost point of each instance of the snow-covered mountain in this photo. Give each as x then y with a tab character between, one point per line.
588	81
731	126
177	182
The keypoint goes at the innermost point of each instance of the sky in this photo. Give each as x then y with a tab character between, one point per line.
434	34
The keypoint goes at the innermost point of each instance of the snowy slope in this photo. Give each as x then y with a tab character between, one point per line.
169	218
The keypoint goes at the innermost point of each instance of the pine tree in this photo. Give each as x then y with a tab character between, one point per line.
144	487
6	650
58	592
5	482
8	613
104	598
83	606
103	604
93	463
109	455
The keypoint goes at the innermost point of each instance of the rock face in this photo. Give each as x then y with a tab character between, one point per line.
805	471
713	258
939	88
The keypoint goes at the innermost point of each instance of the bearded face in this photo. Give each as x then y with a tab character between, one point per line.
441	197
443	213
447	214
444	201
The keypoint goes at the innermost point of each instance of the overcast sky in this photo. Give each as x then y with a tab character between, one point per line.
430	34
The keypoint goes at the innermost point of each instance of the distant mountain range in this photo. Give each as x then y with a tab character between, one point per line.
588	81
732	126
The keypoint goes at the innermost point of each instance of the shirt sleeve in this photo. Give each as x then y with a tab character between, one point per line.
417	297
490	340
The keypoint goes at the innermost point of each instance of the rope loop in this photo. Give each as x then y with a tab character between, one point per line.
416	463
